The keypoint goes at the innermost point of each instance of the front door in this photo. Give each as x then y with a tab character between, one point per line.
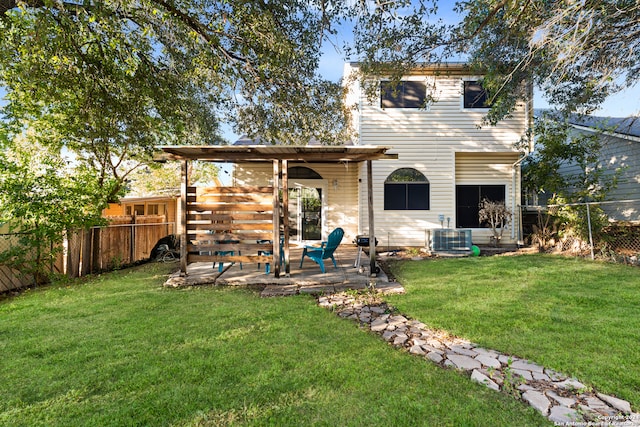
305	213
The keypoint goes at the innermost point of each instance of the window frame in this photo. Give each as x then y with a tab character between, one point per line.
410	196
399	101
475	206
463	100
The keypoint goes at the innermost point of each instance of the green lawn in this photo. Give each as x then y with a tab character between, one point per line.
579	317
121	350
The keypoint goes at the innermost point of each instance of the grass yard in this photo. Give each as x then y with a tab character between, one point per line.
119	349
578	317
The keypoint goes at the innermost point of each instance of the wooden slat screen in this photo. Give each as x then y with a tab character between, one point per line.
229	224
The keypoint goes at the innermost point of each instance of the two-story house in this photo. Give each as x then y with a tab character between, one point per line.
447	163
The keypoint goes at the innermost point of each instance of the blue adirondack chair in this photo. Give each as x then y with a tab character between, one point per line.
319	253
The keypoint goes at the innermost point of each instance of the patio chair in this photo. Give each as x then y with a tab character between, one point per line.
226	253
267	269
319	253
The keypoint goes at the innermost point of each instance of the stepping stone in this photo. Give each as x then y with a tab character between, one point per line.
464	362
397	320
464	351
524	374
527	366
489	361
504	359
400	339
561	415
599	406
365	317
538	400
483	379
416	349
427	347
555	376
621	405
571	384
435	343
378	325
435	357
418	341
564	401
388	335
490	353
540	376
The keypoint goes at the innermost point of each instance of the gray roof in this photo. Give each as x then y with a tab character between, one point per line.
622	125
629	126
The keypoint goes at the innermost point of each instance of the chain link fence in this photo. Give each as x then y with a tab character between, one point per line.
599	230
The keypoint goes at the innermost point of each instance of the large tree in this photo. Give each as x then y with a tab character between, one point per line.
109	81
106	82
577	53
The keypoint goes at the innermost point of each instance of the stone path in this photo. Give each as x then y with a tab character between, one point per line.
563	400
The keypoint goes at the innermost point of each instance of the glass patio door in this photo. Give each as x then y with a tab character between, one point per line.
305	213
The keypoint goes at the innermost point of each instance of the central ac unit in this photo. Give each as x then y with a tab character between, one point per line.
451	240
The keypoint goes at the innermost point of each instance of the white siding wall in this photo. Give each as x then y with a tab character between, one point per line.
428	141
339	180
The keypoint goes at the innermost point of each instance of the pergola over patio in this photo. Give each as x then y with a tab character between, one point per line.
279	156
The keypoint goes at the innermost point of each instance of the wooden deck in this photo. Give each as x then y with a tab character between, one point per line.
308	279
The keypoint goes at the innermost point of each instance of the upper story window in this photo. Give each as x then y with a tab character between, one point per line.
406	189
475	96
406	94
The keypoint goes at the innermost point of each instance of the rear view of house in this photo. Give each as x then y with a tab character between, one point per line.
447	162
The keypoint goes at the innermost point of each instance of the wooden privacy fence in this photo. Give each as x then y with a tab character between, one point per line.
126	240
229	224
9	278
12	279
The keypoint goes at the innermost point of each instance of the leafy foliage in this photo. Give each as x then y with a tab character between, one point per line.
107	82
557	149
41	201
496	215
157	179
578	53
179	66
567	167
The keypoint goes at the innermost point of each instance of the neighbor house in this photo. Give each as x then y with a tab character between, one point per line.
166	206
448	161
620	138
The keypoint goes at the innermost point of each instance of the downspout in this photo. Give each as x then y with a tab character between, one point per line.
513	198
529	114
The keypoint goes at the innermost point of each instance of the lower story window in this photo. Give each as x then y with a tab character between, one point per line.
468	198
406	189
